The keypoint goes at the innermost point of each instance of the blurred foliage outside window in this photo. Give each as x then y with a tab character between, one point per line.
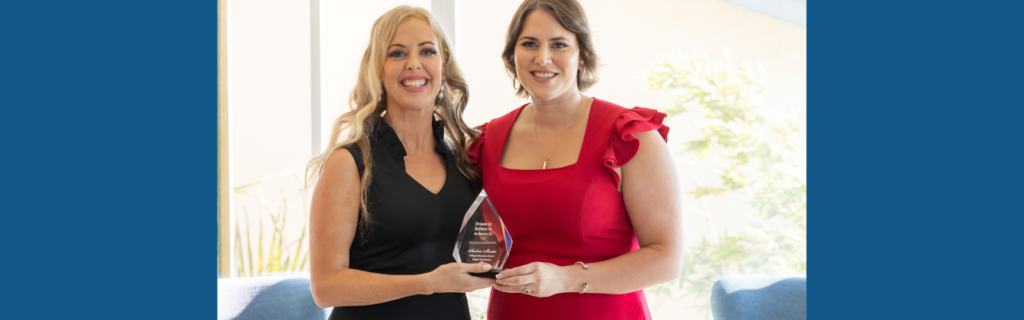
282	252
762	156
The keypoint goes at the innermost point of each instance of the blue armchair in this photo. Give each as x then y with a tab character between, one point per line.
266	298
755	297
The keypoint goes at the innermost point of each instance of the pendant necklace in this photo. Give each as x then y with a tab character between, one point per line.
537	136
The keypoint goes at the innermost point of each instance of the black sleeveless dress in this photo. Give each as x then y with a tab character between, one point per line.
414	230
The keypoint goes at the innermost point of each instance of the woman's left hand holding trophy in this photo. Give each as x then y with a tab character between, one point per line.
540	279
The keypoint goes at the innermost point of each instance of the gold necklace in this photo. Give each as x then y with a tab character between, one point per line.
536	136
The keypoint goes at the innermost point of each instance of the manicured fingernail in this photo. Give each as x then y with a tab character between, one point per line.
499	276
487	267
497	281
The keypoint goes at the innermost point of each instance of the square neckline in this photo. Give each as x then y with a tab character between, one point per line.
519	111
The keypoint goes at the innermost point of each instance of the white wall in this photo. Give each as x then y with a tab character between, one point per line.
269	106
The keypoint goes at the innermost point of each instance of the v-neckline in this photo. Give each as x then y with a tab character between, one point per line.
447	177
394	147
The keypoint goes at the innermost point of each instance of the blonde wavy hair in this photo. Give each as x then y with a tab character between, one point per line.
368	102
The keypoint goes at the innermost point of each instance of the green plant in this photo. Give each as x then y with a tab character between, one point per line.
275	255
762	154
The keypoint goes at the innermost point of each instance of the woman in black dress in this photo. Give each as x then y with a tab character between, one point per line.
391	190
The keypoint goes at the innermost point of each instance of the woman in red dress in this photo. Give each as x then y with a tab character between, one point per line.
586	188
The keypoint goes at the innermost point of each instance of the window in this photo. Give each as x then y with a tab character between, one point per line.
277	104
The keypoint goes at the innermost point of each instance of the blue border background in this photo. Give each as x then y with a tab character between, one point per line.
914	137
109	137
109	123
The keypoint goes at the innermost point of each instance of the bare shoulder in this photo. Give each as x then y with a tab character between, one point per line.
653	160
653	154
337	187
649	137
340	159
651	142
339	166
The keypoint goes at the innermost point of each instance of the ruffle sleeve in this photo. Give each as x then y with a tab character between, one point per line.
474	152
623	144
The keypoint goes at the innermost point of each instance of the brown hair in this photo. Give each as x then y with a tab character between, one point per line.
570	15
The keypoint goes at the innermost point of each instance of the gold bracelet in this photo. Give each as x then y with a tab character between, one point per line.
585	285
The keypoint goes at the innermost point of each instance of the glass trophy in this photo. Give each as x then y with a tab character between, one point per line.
483	237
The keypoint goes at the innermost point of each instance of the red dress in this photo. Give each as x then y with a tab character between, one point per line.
568	214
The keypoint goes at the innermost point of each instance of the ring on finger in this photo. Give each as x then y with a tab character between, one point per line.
526	291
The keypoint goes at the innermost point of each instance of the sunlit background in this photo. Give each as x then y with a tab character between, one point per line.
731	74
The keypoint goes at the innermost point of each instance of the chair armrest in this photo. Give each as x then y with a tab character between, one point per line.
266	298
758	297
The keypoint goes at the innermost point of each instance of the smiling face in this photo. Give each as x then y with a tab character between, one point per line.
547	57
413	68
